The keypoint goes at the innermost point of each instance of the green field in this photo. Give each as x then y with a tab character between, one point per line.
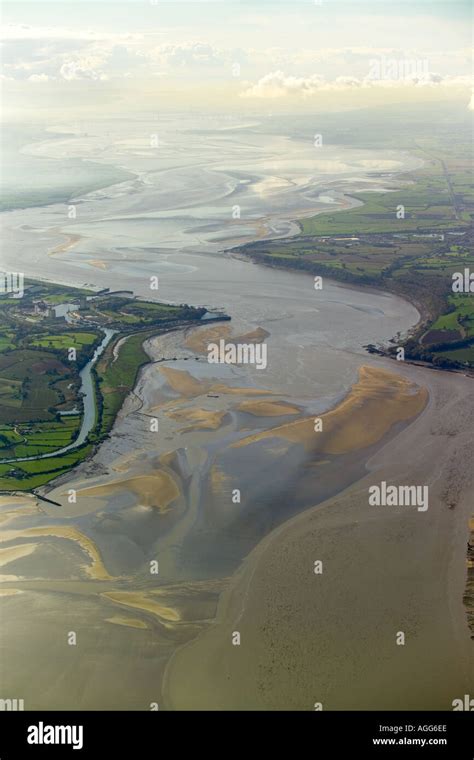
29	439
64	340
6	341
414	256
426	206
38	383
463	355
462	318
24	476
27	385
117	378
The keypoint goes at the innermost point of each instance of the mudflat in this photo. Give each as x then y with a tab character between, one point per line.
330	638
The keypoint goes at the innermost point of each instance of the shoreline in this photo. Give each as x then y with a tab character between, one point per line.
424	314
95	418
63	476
361	287
250	567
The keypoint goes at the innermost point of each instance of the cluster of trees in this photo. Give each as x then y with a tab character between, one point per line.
5	442
413	350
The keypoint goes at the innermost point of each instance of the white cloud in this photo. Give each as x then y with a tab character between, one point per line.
192	54
277	84
40	78
63	53
82	69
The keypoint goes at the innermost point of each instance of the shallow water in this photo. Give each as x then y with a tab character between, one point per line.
173	220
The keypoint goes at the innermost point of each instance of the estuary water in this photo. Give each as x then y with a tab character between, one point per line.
164	494
196	192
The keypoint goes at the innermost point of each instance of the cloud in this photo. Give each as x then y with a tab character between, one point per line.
82	69
187	54
192	54
40	78
32	53
470	105
62	53
277	84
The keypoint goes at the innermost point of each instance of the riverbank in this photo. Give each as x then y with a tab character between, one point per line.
167	493
387	242
68	359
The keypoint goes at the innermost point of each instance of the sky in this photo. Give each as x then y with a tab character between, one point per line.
229	54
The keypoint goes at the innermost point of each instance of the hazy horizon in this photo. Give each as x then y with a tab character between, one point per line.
107	57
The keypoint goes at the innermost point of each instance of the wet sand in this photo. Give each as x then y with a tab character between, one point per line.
268	408
95	569
201	419
198	340
305	637
168	496
198	535
377	401
69	243
185	384
331	637
143	602
158	490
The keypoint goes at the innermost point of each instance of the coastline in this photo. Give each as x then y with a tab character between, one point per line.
360	286
233	599
105	373
423	314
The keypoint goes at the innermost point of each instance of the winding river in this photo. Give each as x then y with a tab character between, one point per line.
87	392
166	495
